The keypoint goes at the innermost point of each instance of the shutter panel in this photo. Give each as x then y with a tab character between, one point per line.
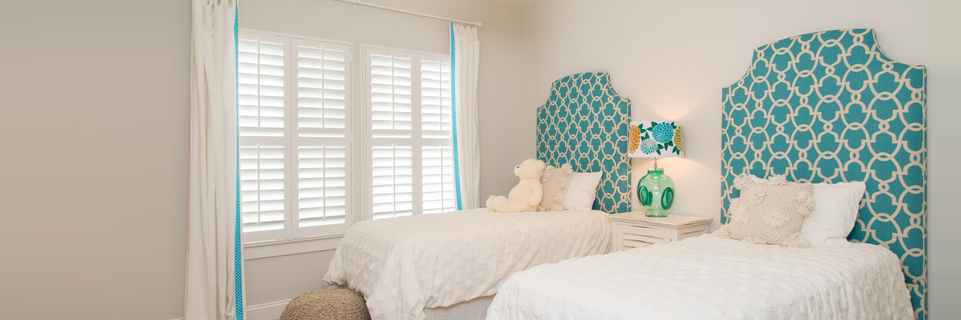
260	87
391	113
321	90
261	103
438	179
438	152
262	187
411	134
393	181
436	100
390	89
293	126
322	153
322	186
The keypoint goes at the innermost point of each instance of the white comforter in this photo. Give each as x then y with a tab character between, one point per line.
712	278
403	265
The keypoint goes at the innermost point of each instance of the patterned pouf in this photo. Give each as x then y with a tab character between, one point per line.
335	304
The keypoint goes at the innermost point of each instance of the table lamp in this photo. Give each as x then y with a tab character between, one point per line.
652	139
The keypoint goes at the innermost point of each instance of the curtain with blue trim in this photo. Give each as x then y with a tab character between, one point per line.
213	287
465	61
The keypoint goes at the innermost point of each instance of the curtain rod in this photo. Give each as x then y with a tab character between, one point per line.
377	6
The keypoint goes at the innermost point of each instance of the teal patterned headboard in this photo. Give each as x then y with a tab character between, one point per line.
830	107
584	123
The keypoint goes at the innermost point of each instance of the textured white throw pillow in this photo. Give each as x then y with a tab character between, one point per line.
835	212
769	212
555	182
581	190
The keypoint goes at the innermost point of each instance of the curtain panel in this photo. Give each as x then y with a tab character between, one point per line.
213	286
465	56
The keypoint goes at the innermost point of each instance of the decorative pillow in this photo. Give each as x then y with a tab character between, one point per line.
555	182
769	213
835	212
581	190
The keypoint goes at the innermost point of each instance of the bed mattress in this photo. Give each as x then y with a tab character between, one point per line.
404	265
712	278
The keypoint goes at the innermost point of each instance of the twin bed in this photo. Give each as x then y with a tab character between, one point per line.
815	108
447	266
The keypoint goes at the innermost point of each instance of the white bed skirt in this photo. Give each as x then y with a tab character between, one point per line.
468	310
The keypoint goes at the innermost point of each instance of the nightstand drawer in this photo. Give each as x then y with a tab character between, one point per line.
636	232
628	242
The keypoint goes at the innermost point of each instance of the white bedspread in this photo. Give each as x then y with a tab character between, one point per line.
712	278
403	265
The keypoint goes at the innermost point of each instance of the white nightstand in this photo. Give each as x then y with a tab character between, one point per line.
634	229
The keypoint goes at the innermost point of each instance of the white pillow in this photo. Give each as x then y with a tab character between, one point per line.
581	190
835	212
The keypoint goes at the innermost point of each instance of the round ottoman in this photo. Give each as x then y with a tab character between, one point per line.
334	304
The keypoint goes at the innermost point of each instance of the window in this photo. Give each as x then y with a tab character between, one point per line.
296	136
409	108
294	143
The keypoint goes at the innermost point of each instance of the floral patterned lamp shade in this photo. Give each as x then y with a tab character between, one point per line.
652	139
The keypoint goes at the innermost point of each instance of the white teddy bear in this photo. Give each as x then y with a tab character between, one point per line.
527	194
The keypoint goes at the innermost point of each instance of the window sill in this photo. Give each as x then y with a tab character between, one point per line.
276	248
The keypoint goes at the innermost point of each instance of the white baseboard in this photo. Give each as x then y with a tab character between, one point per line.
266	311
263	311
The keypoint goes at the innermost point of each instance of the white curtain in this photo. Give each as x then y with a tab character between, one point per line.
466	56
213	284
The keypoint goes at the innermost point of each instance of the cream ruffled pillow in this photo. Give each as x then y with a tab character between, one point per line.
769	212
554	183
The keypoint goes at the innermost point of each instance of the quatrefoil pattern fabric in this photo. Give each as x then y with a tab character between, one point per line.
584	123
831	107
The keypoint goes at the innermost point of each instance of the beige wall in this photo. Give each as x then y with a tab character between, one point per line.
944	114
672	58
93	170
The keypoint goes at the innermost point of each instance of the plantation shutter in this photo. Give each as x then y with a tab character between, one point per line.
260	119
410	127
293	126
321	139
438	152
391	132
